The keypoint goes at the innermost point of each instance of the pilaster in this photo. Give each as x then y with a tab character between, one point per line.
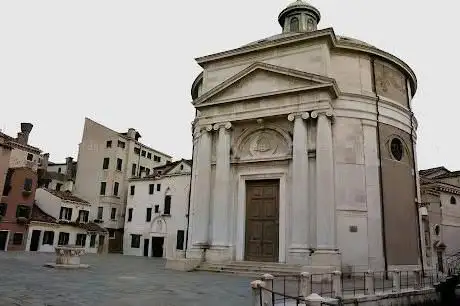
300	210
325	193
201	188
219	249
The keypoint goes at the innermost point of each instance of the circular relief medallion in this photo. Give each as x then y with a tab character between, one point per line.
397	149
263	144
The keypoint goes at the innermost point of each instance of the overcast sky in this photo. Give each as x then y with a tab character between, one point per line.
131	63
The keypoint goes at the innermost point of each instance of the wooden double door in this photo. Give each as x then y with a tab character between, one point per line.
262	221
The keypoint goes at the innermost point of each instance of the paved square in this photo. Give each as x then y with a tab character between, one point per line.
113	280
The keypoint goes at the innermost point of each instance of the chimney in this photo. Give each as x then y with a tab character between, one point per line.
45	160
132	133
68	186
23	136
69	166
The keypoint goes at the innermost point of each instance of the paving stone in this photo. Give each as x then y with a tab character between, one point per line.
113	280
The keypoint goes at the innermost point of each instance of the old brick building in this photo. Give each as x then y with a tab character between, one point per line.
15	207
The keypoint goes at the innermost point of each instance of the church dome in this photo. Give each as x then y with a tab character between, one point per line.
299	16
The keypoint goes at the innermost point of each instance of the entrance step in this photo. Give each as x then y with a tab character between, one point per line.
248	268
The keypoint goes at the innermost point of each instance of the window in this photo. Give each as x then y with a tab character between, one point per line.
111	234
58	186
22	211
100	212
141	169
113	214
135	241
28	184
143	153
130	214
147	171
180	240
105	164
59	170
160	172
151	188
437	229
396	148
119	164
137	151
156	158
167	210
115	188
133	170
3	208
81	240
92	241
149	155
121	144
157	208
17	238
108	144
48	238
453	201
158	187
83	216
30	157
66	213
294	26
132	190
103	186
159	159
148	217
63	238
182	167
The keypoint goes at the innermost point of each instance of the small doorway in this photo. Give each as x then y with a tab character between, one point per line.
146	247
35	240
3	239
100	247
157	246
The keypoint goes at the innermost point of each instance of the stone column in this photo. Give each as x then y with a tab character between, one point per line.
220	209
202	189
299	197
325	187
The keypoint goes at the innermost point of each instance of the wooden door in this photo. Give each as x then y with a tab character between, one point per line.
262	221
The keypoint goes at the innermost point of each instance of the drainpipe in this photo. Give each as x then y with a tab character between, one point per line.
190	192
415	179
379	153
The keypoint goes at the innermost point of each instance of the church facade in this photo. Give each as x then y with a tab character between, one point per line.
304	152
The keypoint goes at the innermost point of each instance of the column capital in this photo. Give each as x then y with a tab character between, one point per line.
303	115
326	112
225	125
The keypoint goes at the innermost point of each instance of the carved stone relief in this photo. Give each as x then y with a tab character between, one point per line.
263	142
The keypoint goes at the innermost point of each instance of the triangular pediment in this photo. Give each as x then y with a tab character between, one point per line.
261	80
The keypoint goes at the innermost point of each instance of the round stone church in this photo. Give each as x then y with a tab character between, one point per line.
304	153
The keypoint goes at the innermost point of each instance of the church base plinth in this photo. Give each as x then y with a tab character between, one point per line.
299	256
326	261
218	254
182	264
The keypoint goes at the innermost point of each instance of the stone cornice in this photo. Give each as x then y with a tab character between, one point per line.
322	83
327	33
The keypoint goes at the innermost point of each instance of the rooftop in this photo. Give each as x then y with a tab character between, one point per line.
66	195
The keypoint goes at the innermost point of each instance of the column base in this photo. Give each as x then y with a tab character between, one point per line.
195	253
326	261
219	254
299	256
182	264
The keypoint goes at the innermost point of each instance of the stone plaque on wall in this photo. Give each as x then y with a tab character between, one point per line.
390	83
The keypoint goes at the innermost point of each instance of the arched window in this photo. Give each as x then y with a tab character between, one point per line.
453	201
396	148
294	27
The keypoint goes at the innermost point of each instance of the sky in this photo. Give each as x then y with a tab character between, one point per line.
131	63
